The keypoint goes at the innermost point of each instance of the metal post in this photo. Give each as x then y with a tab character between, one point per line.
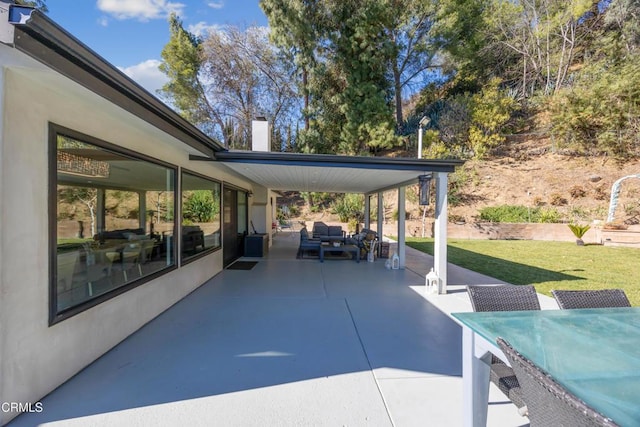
401	225
440	230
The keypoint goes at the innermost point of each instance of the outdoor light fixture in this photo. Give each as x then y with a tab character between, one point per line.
423	122
425	182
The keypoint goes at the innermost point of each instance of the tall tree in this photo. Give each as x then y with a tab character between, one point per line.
343	52
623	21
413	46
362	51
185	89
246	77
222	81
540	38
296	27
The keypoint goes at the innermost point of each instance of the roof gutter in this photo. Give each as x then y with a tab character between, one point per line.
330	160
39	37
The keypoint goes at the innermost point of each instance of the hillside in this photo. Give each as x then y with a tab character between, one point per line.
531	174
528	173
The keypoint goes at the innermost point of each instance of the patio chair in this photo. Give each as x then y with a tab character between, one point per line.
505	298
307	244
600	298
548	402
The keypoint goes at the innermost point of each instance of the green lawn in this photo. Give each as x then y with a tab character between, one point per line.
546	265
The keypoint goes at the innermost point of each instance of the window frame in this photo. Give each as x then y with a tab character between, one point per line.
53	132
206	251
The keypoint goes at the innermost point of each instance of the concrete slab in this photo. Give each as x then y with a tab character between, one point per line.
289	343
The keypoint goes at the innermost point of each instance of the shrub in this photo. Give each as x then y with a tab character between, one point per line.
576	192
349	206
519	214
199	206
579	230
556	199
491	110
601	193
505	213
547	216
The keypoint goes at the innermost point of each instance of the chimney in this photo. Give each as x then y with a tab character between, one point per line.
260	134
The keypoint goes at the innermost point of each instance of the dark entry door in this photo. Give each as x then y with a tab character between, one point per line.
234	224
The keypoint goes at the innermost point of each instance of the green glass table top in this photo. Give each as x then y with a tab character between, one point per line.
594	353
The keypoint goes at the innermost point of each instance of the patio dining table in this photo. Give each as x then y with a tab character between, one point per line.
594	353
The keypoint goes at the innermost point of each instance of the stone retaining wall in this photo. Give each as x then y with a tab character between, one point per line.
508	231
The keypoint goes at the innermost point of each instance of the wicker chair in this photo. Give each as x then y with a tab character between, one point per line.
505	298
550	404
600	298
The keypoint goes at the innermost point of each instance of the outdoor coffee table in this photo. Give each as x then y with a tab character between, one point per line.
342	248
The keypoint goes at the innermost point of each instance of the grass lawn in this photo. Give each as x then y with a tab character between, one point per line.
546	265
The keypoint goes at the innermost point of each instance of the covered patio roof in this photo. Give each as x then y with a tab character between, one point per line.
330	173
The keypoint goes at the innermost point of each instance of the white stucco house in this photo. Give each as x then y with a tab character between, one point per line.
165	207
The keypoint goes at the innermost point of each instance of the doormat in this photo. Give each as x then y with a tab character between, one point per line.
242	265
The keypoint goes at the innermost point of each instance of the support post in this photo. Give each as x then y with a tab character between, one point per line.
440	229
401	225
380	222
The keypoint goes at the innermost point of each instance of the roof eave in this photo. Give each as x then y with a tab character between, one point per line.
330	160
50	44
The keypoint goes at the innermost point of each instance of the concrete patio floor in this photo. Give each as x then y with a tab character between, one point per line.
289	343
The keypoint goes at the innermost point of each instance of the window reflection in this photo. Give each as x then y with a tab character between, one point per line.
115	220
200	215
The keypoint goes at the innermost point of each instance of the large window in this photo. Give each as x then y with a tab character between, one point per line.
114	220
200	215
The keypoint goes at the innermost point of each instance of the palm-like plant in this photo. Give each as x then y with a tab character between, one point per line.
579	231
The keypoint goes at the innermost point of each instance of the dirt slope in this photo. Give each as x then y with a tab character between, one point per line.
532	174
528	173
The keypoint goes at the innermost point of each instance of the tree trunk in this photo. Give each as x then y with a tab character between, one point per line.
398	98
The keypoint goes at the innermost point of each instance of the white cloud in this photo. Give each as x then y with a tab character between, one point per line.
202	28
103	21
216	4
147	75
142	10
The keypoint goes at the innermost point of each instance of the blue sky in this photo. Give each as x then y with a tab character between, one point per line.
130	34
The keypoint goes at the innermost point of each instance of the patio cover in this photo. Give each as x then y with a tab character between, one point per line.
351	174
330	173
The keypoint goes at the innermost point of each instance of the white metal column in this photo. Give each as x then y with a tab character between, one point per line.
440	229
380	222
401	225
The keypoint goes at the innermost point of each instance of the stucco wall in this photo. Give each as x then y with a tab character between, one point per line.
36	358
